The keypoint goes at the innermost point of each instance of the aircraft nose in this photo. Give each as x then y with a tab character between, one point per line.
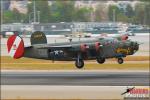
135	46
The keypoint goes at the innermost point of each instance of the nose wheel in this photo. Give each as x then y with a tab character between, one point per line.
120	60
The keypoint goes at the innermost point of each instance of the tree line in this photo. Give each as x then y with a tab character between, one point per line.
65	11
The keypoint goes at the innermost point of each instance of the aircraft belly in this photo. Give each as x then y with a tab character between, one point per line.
36	53
92	53
108	51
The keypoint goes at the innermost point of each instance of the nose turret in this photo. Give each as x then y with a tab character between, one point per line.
134	46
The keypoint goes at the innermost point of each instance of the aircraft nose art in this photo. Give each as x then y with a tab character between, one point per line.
15	46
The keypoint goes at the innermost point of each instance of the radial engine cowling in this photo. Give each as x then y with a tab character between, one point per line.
124	37
84	47
97	46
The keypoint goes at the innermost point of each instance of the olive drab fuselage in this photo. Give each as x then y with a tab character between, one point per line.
96	48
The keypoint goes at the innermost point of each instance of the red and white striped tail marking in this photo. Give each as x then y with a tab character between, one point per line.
15	46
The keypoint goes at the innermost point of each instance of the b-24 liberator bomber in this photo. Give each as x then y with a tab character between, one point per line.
99	49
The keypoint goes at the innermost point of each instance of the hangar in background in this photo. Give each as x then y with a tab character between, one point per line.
73	27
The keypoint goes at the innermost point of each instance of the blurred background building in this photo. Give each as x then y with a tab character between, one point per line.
61	17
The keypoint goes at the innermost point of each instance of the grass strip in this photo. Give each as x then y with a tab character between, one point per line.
38	64
64	66
7	59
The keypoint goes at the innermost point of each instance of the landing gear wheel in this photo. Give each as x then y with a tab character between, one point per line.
120	60
100	60
79	63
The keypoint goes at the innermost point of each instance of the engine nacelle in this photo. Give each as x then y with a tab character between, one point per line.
84	47
97	46
124	37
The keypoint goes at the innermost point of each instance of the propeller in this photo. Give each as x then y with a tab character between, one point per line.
140	43
124	37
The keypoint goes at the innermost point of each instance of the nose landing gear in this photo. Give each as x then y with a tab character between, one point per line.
120	60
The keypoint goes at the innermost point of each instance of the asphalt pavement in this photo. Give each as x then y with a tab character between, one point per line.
76	78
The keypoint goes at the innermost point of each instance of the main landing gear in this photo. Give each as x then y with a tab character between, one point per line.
120	60
79	63
100	60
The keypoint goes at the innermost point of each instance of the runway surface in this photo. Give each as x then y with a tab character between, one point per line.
76	78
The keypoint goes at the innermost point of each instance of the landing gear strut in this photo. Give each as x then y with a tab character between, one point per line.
100	60
120	60
79	63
